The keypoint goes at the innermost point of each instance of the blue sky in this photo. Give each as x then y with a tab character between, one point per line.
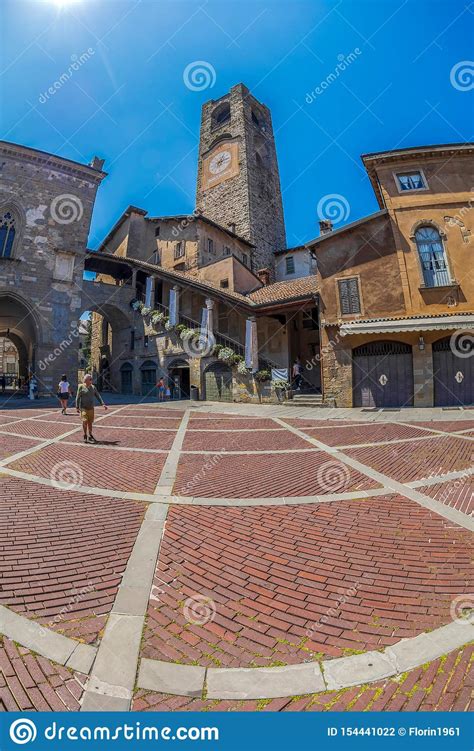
128	103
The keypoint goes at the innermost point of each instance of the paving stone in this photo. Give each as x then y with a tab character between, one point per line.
357	669
171	678
264	683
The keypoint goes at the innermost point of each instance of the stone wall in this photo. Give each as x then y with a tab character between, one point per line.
51	200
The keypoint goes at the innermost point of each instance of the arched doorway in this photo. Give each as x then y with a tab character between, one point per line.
19	328
148	376
179	379
218	382
382	375
453	374
110	337
126	378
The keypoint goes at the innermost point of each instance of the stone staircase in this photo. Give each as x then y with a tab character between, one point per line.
305	400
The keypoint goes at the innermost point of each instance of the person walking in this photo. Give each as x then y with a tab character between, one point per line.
86	394
64	392
297	372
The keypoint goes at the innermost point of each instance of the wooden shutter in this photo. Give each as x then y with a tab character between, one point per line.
349	296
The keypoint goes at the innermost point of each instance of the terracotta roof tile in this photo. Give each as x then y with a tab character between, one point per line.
283	291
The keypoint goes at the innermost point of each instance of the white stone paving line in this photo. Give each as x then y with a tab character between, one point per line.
46	642
423	500
43	443
164	486
112	680
305	678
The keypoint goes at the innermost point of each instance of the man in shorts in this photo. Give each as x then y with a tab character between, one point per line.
86	394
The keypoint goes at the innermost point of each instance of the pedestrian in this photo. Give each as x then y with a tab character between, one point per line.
86	394
297	374
168	393
3	382
161	389
64	391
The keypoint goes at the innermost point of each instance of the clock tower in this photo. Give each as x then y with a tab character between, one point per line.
238	178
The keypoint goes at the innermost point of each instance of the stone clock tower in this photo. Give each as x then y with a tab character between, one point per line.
238	179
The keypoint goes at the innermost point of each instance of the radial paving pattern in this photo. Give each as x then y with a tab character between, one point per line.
297	550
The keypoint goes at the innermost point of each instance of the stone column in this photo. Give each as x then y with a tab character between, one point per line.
251	344
174	304
210	315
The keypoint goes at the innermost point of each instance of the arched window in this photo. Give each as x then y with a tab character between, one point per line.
221	115
432	257
7	234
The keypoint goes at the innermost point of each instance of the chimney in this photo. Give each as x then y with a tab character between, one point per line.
97	163
325	226
264	276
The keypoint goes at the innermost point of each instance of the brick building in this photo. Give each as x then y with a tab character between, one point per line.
397	287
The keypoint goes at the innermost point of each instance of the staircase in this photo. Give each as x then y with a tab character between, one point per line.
302	399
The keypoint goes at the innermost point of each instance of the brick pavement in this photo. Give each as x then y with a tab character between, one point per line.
29	682
291	583
62	554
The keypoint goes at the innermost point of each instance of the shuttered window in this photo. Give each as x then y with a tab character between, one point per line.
349	297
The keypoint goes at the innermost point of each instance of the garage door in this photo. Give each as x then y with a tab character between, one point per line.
382	375
453	374
218	383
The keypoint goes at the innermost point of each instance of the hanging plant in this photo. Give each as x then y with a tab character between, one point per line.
137	304
242	368
262	375
168	325
157	317
145	311
226	354
216	349
281	384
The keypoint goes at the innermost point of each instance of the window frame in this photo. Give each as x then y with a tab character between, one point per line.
359	289
427	224
407	173
292	259
179	250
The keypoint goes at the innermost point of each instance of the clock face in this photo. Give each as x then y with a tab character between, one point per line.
220	162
